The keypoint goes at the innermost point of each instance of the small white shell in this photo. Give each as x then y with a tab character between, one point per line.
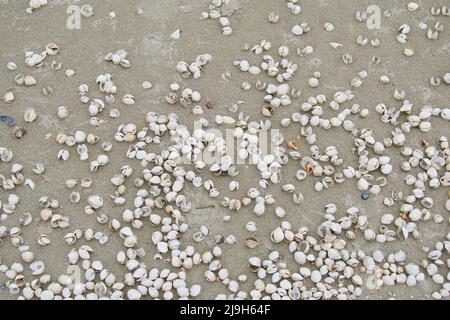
30	115
176	34
129	99
413	6
277	235
29	80
297	30
11	66
70	73
95	202
147	85
280	212
62	112
8	97
87	10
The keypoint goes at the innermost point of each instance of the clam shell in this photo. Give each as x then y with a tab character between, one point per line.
43	240
38	168
63	155
277	235
176	34
95	201
25	219
129	99
29	80
75	197
52	49
87	10
251	242
86	183
30	115
37	267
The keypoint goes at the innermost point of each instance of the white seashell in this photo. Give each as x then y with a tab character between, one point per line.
226	31
103	159
147	85
63	155
134	294
387	218
277	235
447	78
251	226
254	70
280	212
8	97
86	183
316	276
234	185
129	99
29	81
328	26
95	202
62	112
87	10
27	256
425	126
378	147
413	6
176	34
130	241
369	234
318	186
80	136
297	30
30	115
313	82
273	18
11	66
409	52
386	168
259	208
114	113
195	290
70	73
75	197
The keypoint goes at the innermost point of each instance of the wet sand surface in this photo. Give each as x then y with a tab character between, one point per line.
154	55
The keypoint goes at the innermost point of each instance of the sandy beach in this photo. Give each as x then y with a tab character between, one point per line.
154	56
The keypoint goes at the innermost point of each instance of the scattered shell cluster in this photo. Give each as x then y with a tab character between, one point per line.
193	69
217	11
174	160
119	58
